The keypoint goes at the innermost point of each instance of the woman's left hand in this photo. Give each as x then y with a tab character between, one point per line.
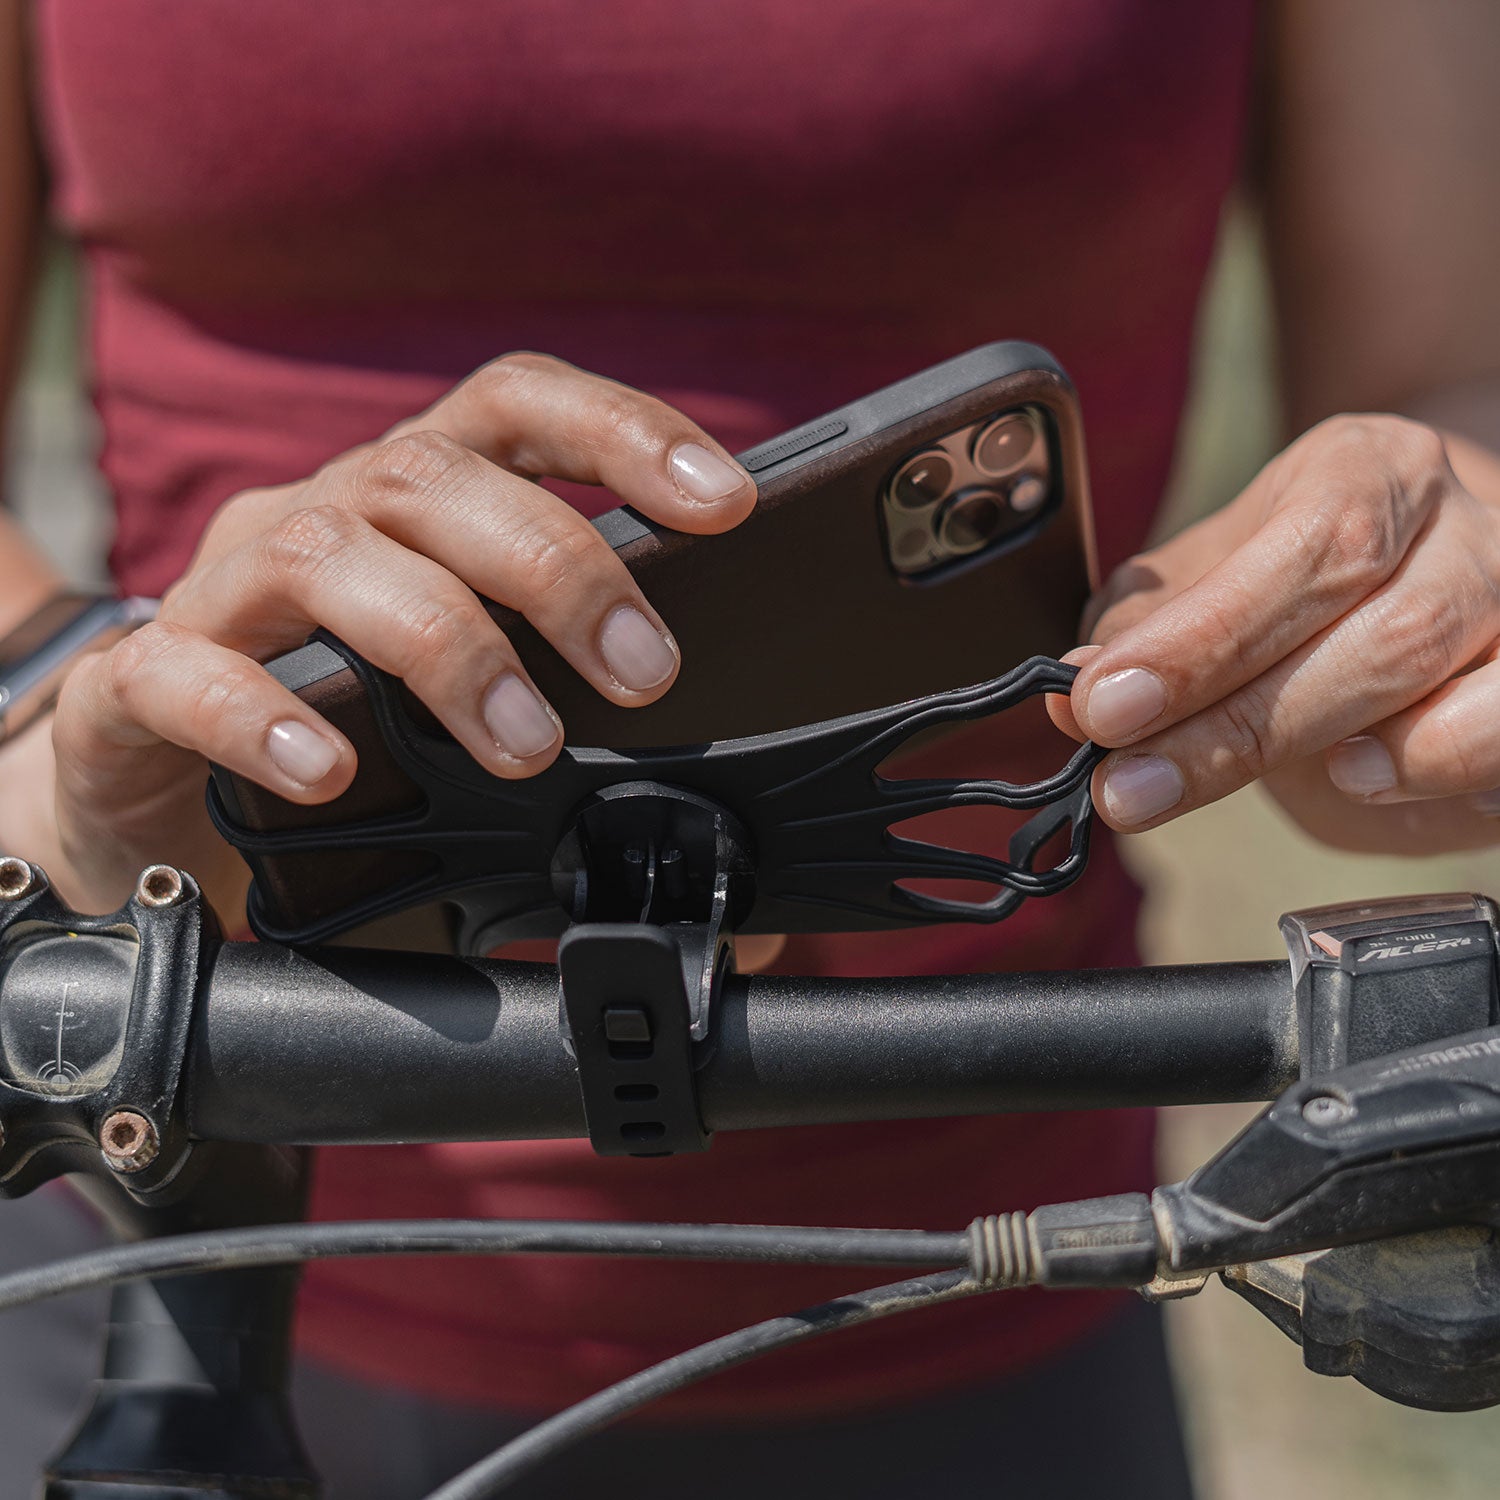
1335	630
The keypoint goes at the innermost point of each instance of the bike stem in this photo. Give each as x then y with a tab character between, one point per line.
191	1397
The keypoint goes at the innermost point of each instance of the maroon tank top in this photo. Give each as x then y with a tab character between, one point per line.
304	222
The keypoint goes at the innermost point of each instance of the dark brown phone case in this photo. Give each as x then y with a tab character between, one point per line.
795	616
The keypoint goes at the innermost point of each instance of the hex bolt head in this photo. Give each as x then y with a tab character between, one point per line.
160	885
17	878
1325	1109
128	1140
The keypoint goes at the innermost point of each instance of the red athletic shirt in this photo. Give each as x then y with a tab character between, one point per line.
305	221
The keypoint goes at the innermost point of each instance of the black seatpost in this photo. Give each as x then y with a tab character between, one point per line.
191	1401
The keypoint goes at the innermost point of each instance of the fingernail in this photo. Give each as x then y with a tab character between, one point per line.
1141	787
300	753
1487	803
1080	654
703	475
517	718
1361	766
634	650
1124	702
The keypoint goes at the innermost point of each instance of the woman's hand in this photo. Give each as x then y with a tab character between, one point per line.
389	547
1335	630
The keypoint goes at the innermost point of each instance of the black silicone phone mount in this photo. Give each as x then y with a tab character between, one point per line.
799	821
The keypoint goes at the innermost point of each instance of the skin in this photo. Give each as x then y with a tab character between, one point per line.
1348	595
387	546
1351	593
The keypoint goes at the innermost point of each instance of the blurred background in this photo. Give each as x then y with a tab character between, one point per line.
1260	1425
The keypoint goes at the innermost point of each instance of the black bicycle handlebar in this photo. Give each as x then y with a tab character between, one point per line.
131	1034
361	1046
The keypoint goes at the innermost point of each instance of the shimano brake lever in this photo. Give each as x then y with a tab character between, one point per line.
1401	1143
1395	1163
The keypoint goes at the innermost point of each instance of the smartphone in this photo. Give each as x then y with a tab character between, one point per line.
929	536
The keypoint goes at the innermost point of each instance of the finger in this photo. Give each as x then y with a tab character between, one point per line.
1379	660
540	415
1345	513
1145	582
1419	827
1448	745
243	517
403	612
165	686
1059	705
511	541
1139	586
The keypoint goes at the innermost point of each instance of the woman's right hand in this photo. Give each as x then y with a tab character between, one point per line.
389	547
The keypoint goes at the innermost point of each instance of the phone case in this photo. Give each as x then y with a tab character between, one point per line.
794	617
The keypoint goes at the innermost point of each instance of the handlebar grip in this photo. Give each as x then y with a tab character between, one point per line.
349	1045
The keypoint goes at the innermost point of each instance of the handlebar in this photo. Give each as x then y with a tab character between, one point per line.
340	1046
138	1032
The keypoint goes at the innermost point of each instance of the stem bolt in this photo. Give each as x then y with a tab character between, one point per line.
159	885
17	878
1324	1109
128	1140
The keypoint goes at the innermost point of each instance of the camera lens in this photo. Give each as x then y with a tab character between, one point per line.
1004	444
970	520
921	480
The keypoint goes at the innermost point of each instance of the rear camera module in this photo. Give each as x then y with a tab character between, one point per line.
970	521
975	491
1001	448
922	480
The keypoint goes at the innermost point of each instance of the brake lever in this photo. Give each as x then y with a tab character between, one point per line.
1395	1164
1401	1143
